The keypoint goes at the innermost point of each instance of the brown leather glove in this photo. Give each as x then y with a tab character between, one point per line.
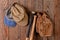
44	25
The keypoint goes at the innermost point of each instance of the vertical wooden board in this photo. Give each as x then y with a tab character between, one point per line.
32	5
35	5
39	5
3	6
23	33
23	2
1	26
29	4
49	7
6	32
13	31
57	20
11	2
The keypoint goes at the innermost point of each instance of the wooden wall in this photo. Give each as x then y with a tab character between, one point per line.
52	7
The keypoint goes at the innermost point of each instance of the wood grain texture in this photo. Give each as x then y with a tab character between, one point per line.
33	5
57	20
49	7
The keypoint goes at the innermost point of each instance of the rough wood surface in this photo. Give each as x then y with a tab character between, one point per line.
57	20
49	7
35	5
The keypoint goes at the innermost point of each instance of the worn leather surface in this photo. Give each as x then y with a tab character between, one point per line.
44	25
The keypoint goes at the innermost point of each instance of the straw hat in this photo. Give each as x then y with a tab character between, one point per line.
19	15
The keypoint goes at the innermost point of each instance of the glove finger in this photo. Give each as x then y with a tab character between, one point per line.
16	19
14	11
20	8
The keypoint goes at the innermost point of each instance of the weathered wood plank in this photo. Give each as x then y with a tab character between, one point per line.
1	26
3	6
32	5
49	7
57	20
